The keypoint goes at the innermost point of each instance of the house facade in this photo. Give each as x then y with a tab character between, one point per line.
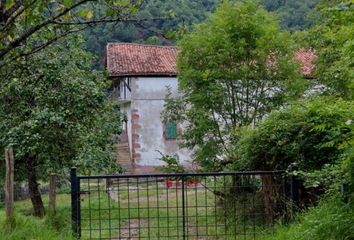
140	76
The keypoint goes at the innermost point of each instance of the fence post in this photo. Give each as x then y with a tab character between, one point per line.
75	203
52	193
9	183
293	187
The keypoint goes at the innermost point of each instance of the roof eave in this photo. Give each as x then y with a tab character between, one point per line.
142	75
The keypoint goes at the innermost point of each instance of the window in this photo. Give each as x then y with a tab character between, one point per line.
171	130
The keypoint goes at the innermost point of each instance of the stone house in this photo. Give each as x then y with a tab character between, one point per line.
140	75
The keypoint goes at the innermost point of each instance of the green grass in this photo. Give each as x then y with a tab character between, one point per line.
104	217
26	226
330	220
107	217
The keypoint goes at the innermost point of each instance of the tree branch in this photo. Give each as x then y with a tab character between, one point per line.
12	18
219	132
13	8
17	42
42	46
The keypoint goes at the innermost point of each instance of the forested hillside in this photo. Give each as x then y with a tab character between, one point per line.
159	20
293	14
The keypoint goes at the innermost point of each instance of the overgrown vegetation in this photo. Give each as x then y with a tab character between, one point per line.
331	219
313	133
27	226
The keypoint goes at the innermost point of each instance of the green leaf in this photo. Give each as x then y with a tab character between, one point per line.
9	3
67	3
88	14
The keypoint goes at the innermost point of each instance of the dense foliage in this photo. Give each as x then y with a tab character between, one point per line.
333	39
312	133
21	21
233	69
54	111
307	132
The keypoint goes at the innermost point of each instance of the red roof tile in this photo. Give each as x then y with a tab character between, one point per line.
129	59
306	58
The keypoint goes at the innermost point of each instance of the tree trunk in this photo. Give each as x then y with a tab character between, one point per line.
34	192
271	197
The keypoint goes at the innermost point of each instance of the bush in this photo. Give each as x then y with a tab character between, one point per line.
313	133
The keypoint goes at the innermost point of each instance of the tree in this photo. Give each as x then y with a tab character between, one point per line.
22	20
233	69
50	106
333	40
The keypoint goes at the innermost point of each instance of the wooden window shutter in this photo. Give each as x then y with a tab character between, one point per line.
171	131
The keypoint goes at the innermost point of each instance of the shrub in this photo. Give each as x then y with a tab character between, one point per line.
313	133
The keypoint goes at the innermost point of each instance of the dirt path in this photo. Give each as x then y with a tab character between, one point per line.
130	230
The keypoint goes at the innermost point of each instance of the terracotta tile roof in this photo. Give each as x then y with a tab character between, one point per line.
306	58
129	59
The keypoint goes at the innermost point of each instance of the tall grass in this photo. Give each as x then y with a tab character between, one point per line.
26	226
330	220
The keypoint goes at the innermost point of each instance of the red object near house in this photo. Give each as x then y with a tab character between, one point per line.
193	182
169	183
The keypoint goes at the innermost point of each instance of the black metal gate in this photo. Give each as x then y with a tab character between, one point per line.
236	205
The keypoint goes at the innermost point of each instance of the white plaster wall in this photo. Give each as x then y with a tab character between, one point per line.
152	88
126	109
148	94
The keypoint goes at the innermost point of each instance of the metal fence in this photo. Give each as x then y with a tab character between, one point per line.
21	191
238	205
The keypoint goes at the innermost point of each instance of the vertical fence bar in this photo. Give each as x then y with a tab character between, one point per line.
183	208
75	203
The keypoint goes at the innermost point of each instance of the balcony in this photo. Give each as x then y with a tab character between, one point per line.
121	95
